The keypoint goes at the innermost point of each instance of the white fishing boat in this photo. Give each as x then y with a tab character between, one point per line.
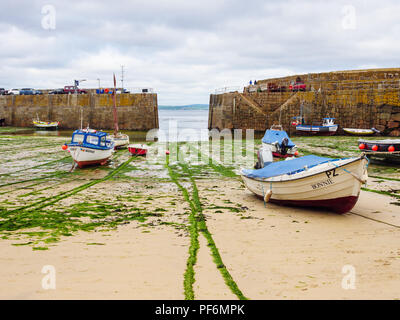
310	181
121	140
90	147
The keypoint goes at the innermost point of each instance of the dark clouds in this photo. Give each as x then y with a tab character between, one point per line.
185	49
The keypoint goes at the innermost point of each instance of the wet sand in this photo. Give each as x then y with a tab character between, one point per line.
124	264
271	252
291	253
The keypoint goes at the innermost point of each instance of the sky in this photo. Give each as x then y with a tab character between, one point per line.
186	50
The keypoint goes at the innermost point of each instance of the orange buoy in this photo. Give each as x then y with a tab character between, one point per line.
391	149
361	146
296	153
64	147
375	148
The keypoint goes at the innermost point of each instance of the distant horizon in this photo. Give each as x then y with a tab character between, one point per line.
184	105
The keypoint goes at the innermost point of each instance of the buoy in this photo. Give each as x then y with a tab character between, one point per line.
267	196
294	123
106	90
167	152
391	149
296	153
64	147
361	146
375	148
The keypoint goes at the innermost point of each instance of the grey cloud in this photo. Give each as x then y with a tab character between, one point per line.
186	49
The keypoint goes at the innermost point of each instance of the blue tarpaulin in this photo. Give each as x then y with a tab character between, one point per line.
287	167
272	136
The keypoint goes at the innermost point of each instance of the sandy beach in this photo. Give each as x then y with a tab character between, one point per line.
132	237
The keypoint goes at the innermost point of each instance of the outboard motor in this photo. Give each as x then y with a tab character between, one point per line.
284	146
264	157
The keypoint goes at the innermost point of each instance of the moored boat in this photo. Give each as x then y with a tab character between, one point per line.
279	142
310	181
138	149
121	140
90	147
360	132
328	128
387	149
45	124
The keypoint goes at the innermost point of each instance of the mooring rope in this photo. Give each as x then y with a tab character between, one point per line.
376	220
349	172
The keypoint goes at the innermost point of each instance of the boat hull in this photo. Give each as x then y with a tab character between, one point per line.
283	156
337	205
120	141
46	125
137	150
84	156
325	187
383	145
383	153
277	153
359	132
309	130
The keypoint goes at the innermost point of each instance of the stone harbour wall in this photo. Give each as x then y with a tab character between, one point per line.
357	99
135	111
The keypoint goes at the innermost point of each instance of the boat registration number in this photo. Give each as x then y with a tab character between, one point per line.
331	173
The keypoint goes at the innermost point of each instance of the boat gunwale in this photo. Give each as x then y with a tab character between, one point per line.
311	175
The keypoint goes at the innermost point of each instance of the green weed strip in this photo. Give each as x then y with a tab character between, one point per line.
219	168
198	224
64	221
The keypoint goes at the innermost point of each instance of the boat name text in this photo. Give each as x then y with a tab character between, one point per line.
322	184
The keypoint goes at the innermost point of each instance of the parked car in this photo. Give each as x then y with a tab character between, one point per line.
3	91
297	86
119	91
57	91
36	92
26	91
71	89
273	87
13	92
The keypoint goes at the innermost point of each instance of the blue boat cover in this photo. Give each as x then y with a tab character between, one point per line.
272	136
287	167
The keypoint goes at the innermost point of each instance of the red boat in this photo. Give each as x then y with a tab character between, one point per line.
138	149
